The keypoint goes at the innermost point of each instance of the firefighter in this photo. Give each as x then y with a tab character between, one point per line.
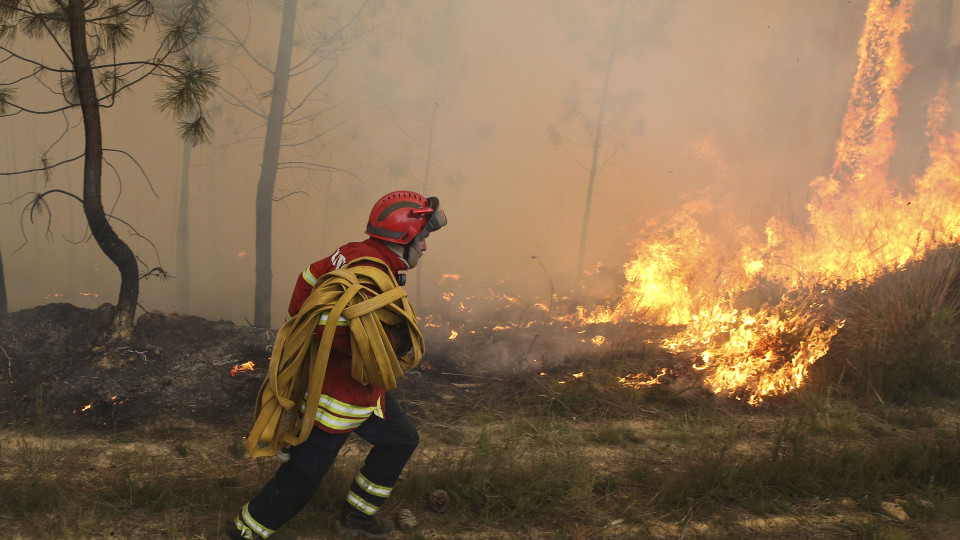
398	227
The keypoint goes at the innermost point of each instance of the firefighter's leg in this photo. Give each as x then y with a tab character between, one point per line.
293	485
394	438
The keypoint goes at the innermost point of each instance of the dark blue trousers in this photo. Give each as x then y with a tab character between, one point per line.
394	438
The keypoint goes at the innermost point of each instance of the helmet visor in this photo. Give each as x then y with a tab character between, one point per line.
437	219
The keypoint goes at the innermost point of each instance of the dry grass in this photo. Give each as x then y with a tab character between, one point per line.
520	472
900	341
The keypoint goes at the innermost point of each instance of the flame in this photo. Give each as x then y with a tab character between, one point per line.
114	400
639	380
246	366
752	309
857	229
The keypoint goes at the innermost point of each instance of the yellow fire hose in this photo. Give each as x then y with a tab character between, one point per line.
299	362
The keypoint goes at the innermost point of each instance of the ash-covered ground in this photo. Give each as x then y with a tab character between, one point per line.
55	366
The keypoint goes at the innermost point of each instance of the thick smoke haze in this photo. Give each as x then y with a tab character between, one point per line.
488	104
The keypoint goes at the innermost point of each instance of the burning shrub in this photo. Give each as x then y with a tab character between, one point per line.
900	339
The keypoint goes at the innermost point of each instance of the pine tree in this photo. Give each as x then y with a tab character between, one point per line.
91	37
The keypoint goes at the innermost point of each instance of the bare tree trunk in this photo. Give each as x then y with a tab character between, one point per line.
183	233
111	244
3	290
268	169
594	167
426	189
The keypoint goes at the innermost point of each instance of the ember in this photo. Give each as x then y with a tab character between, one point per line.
246	366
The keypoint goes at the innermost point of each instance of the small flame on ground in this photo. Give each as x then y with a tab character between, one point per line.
453	335
114	400
246	366
639	380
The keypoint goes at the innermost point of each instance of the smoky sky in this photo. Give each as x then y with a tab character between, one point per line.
490	105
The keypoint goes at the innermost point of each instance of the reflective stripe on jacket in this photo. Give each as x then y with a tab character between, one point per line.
336	416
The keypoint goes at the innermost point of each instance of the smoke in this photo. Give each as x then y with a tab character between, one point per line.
490	106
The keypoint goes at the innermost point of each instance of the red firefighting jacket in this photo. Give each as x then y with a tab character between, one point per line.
344	402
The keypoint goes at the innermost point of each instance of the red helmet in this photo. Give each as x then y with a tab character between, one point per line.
401	216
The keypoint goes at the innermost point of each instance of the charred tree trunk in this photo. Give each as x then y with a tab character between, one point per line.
183	233
111	244
268	169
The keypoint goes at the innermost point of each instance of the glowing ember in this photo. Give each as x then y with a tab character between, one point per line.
598	340
246	366
453	335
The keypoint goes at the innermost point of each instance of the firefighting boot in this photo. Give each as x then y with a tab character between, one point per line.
353	523
231	532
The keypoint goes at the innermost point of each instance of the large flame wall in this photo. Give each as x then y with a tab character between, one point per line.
858	227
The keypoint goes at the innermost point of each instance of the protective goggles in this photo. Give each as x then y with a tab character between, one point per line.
437	218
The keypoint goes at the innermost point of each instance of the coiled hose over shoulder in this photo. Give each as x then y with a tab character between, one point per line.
367	297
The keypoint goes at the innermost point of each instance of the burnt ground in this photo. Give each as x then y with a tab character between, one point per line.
54	365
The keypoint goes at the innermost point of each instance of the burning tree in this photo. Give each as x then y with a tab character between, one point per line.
90	38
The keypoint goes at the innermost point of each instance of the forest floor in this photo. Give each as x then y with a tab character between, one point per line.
145	440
